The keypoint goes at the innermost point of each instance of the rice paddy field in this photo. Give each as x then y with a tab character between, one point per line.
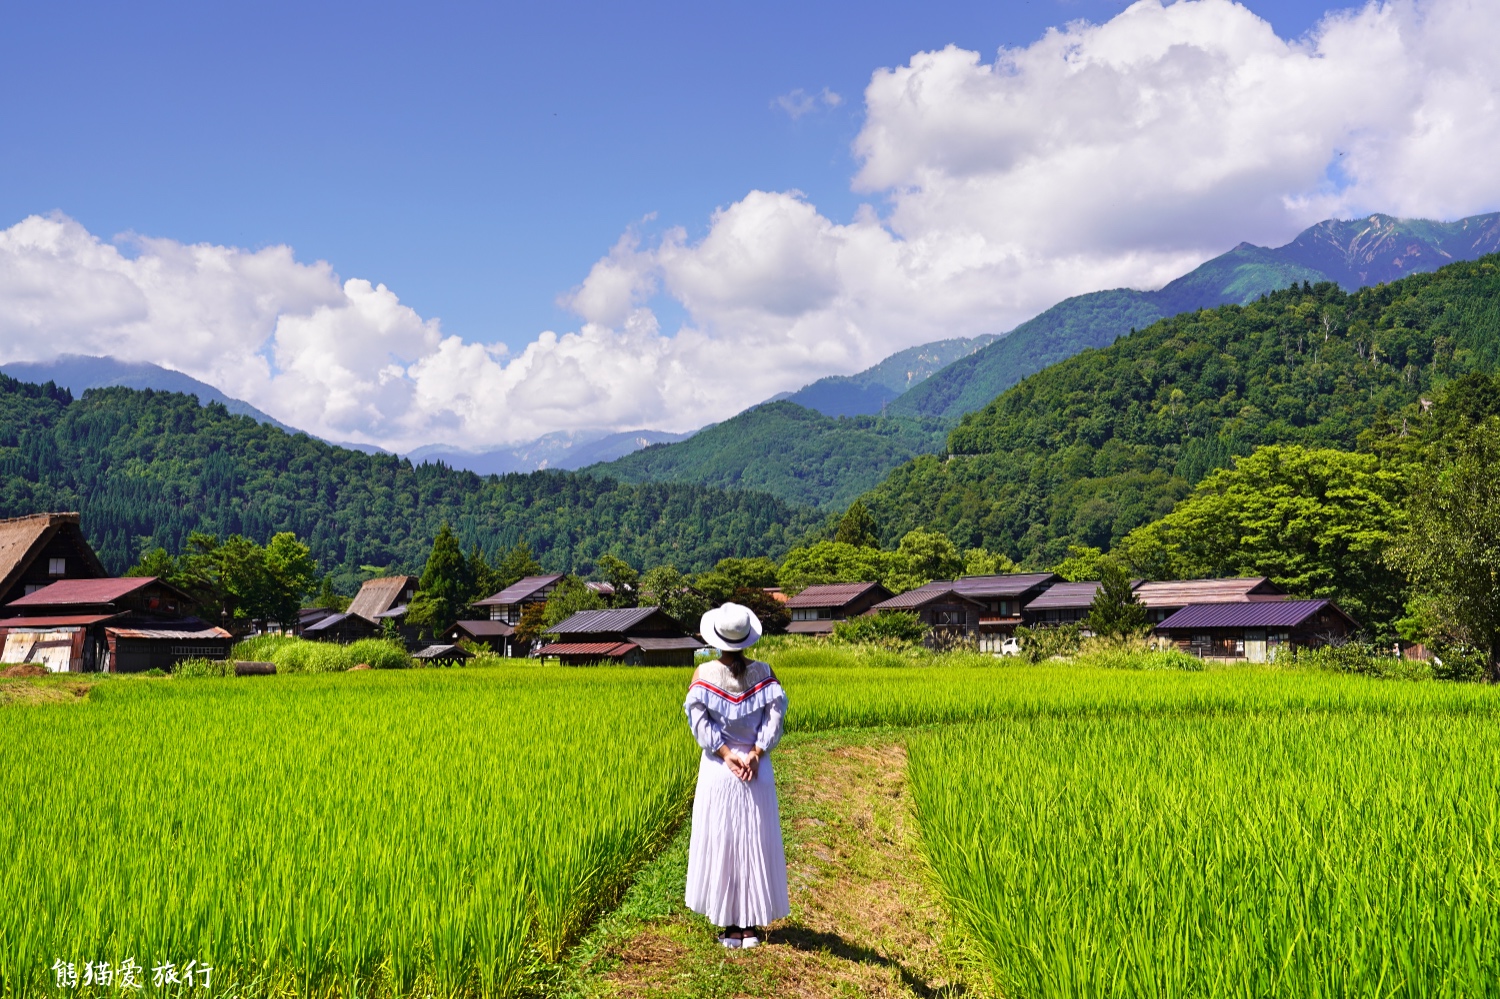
1096	831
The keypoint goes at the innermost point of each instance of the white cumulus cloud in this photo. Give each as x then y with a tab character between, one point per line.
1104	155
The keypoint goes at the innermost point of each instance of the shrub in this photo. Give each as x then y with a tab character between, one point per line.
1041	644
379	653
888	629
1357	658
197	669
1143	659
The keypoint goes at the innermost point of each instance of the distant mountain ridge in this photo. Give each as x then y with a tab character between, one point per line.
867	392
1353	254
812	461
562	449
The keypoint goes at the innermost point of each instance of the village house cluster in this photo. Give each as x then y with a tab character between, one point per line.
60	609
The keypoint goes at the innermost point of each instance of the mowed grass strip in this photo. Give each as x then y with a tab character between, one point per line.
1307	853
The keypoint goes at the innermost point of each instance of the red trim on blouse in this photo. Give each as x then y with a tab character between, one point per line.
731	697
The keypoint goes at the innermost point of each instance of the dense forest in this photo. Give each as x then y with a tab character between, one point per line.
1087	450
796	454
148	468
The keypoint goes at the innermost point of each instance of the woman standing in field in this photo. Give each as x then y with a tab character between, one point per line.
736	868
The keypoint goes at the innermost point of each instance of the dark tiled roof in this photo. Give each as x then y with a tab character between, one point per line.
56	621
83	591
377	596
920	596
443	652
830	594
1008	585
604	621
1182	592
1251	614
485	629
664	644
1065	596
332	621
602	649
519	590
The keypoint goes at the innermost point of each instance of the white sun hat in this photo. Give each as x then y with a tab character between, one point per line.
730	627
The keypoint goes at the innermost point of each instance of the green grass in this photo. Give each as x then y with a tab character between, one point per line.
1296	853
450	832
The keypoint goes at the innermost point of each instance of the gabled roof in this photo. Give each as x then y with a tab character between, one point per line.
618	621
90	592
1182	592
520	590
443	652
379	595
1011	584
922	596
333	621
1065	596
665	644
484	629
833	594
56	620
22	539
1251	614
603	649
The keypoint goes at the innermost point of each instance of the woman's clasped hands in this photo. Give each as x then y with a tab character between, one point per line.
743	765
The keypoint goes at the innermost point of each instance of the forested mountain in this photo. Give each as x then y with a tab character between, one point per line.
1351	253
866	393
1092	447
146	468
791	452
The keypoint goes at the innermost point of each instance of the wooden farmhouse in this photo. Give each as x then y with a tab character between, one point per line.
41	549
1253	631
816	608
382	599
1164	599
119	625
635	636
501	612
983	609
1061	604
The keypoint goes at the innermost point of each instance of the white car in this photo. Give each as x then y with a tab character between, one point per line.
1010	646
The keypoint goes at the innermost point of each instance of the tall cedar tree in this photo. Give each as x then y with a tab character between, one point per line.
1115	613
857	527
446	586
1451	548
517	564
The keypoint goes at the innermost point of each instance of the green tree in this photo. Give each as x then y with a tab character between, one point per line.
157	563
857	527
568	598
839	562
446	586
932	555
887	629
668	589
486	577
1082	563
978	562
774	617
1317	521
289	575
329	597
516	564
732	574
1450	548
1115	613
622	576
531	626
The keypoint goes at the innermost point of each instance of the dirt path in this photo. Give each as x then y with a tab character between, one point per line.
864	921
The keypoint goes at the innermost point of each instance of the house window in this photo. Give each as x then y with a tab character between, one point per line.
31	588
57	567
950	618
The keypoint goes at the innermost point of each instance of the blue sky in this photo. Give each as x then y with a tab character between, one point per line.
475	158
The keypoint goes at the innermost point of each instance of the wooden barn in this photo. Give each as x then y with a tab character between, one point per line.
119	625
635	636
1254	631
816	608
984	610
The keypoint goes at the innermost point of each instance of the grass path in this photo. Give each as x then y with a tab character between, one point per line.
864	920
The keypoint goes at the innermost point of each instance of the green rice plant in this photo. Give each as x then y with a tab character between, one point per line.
402	832
1305	853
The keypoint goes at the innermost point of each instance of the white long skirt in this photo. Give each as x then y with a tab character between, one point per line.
736	866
